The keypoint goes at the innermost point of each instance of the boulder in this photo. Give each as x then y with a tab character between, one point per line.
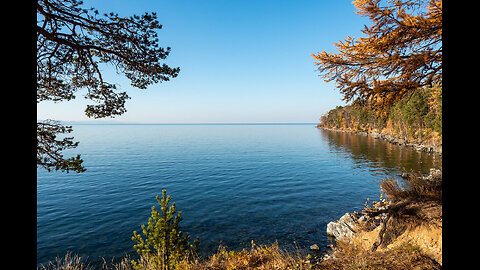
344	228
314	247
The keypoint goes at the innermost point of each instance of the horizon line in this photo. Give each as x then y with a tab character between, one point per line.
93	122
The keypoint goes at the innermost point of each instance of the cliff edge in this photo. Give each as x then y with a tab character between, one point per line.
407	230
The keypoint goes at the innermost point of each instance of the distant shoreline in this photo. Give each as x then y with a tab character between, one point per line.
174	124
434	149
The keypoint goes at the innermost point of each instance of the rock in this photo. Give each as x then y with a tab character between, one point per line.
344	228
364	219
327	257
434	174
314	247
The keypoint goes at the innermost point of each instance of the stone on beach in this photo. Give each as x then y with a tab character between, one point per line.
344	228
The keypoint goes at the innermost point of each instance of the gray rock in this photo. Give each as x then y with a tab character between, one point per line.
344	228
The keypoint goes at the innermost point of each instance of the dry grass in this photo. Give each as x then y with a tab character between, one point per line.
414	188
346	256
69	262
258	257
406	256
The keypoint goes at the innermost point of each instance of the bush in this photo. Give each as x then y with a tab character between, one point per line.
414	188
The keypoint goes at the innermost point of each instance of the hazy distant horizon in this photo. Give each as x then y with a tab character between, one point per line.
110	122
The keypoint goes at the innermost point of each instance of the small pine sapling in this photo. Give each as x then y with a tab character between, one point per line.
165	244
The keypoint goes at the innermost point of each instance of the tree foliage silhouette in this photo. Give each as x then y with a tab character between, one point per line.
72	43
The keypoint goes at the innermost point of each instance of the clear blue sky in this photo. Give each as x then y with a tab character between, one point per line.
240	61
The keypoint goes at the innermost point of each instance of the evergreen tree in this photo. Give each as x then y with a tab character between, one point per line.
165	244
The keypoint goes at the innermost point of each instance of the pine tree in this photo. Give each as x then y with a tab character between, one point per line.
165	244
74	44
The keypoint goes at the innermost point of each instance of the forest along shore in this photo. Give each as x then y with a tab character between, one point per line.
415	121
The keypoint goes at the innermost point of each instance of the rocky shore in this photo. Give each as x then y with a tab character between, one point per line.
422	147
417	223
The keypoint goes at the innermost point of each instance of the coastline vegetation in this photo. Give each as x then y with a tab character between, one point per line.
414	119
272	257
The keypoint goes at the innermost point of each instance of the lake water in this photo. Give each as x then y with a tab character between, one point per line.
233	184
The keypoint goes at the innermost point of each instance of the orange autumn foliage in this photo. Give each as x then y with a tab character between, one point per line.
400	52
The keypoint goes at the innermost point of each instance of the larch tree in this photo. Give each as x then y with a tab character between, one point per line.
401	51
72	43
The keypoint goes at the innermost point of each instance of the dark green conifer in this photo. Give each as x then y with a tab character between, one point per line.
165	244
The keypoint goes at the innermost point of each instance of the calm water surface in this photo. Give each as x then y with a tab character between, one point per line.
233	184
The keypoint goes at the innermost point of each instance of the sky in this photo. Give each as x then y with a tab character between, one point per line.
241	61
